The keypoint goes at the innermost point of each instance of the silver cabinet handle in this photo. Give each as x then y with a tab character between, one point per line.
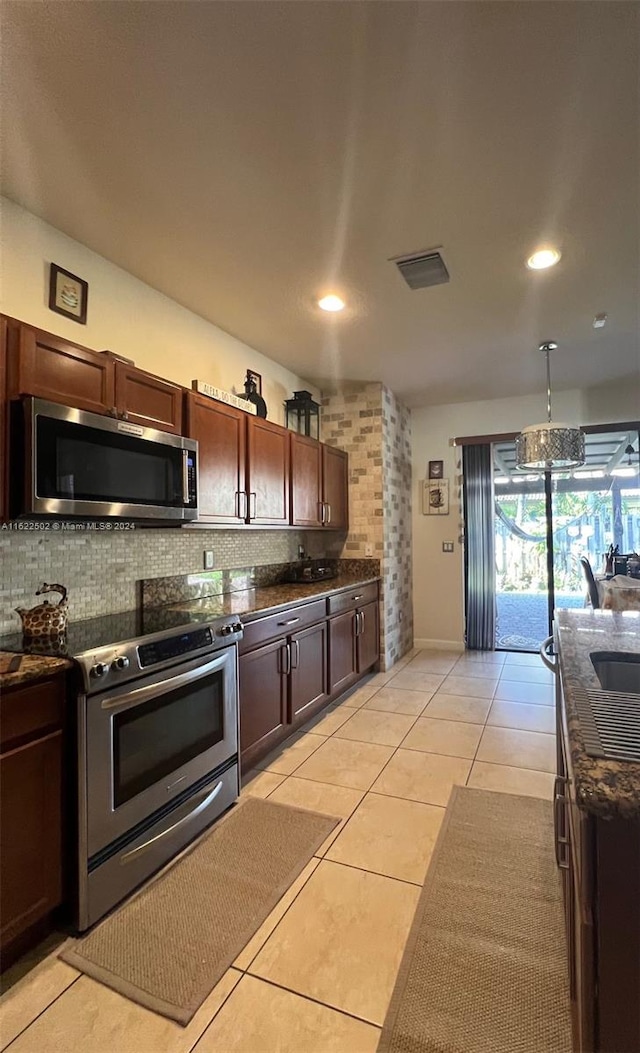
357	597
286	650
357	616
252	514
559	801
362	629
241	500
553	666
321	515
295	662
328	513
290	621
170	829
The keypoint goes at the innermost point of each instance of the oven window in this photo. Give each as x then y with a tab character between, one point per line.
152	740
80	463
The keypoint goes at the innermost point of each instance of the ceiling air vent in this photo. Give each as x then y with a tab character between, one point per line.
423	270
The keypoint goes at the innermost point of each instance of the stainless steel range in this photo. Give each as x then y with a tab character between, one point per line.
157	735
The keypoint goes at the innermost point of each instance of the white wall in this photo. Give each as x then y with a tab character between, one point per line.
438	578
125	315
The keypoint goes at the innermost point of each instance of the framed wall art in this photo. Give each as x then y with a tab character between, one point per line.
436	469
435	497
68	294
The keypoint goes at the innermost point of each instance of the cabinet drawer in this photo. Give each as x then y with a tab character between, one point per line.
32	710
356	597
282	624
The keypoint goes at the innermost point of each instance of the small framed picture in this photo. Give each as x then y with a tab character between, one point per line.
68	294
436	469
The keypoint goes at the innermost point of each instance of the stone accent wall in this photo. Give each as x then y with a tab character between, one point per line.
396	561
374	429
101	569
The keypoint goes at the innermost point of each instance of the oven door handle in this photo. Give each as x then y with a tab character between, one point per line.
143	694
135	852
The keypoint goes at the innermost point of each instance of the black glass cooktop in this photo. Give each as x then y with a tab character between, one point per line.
109	629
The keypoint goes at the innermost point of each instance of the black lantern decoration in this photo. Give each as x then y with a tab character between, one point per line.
303	414
253	392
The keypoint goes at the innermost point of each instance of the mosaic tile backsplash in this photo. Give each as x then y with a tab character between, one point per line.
101	570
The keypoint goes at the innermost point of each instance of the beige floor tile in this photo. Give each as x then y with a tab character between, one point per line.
286	758
505	779
519	749
425	777
379	679
259	783
259	938
408	681
389	836
534	694
320	797
454	707
23	1002
488	670
469	686
345	763
91	1018
453	738
370	725
520	658
342	940
358	697
426	662
395	700
261	1018
522	716
329	720
528	674
483	657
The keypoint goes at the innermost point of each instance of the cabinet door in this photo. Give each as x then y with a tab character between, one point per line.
342	652
148	400
30	834
51	368
335	485
368	639
308	679
220	431
268	472
263	700
306	481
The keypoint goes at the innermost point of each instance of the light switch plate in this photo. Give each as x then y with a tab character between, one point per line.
208	559
368	550
447	546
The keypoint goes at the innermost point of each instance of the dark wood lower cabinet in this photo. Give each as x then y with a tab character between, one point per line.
31	814
284	681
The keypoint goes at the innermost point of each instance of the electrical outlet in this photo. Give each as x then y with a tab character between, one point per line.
447	546
368	550
208	559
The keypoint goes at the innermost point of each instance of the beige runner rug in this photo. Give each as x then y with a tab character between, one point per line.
167	947
485	967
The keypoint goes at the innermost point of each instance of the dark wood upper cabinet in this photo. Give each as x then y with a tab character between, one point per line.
148	400
306	482
267	472
221	434
335	487
55	369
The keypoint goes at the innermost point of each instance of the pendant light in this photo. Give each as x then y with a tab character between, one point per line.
549	447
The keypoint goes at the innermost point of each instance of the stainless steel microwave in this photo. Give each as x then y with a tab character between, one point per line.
81	464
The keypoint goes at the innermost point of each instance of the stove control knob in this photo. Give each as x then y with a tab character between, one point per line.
237	627
225	630
99	669
121	662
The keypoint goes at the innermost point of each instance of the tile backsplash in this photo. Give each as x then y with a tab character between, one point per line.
100	570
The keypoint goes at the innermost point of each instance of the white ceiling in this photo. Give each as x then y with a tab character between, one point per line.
244	158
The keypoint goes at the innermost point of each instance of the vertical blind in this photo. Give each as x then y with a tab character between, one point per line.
480	592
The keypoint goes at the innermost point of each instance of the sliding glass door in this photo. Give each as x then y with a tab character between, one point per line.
544	523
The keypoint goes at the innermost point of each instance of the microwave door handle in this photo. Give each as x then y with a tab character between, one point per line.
139	695
185	477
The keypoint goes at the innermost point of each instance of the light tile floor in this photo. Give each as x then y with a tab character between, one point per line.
318	975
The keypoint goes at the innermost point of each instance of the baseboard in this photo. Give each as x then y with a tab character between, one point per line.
439	645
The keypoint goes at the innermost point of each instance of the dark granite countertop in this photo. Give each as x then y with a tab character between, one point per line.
603	787
32	667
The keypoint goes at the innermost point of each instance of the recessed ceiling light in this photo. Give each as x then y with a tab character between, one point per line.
543	258
331	303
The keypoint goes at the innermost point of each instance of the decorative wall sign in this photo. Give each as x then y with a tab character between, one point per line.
212	392
68	294
435	497
436	469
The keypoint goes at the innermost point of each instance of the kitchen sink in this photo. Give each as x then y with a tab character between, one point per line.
617	670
